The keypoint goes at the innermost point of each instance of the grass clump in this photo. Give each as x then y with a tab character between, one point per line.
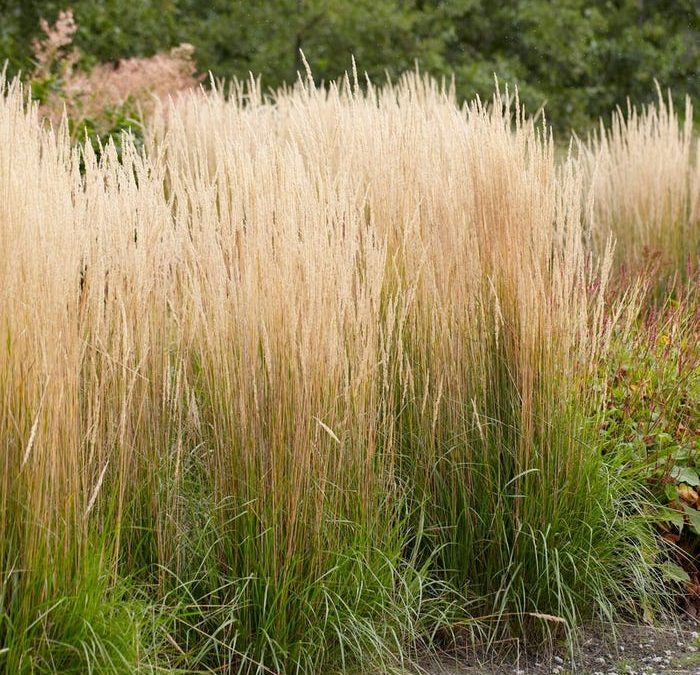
308	375
643	177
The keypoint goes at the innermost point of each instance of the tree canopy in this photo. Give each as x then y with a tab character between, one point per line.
580	58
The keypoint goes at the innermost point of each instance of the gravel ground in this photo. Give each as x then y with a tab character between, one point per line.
638	650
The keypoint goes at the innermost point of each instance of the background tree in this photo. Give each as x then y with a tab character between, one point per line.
579	57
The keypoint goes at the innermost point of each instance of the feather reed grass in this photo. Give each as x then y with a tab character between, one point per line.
310	372
643	188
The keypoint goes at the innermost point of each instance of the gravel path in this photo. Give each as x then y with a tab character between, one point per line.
638	650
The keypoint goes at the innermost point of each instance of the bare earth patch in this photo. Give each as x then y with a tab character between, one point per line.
636	650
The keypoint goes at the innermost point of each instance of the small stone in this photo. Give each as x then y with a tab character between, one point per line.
558	659
599	659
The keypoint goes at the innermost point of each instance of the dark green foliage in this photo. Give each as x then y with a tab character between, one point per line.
580	60
652	411
650	424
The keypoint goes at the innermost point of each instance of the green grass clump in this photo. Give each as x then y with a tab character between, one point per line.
68	623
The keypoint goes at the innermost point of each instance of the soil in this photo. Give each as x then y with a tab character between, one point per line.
673	649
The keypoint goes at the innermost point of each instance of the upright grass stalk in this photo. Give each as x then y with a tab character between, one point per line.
53	614
307	372
643	188
503	318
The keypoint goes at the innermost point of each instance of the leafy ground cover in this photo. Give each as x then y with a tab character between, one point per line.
651	419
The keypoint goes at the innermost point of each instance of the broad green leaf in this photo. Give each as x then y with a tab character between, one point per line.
671	492
693	518
684	474
674	572
666	515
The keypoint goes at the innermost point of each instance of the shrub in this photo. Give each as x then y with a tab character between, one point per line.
651	418
107	98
